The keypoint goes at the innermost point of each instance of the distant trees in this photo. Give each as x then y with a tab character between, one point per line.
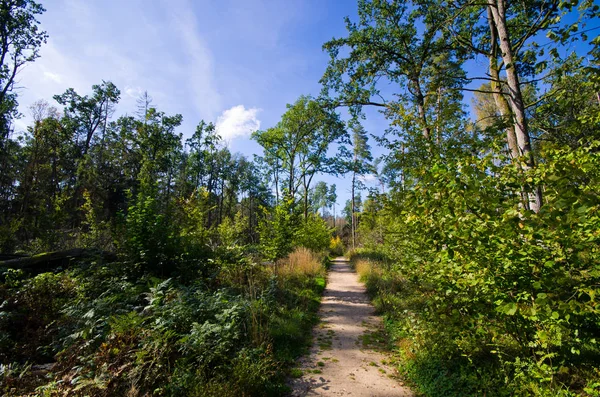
297	147
20	41
358	166
80	174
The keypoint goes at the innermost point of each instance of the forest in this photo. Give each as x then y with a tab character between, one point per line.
134	262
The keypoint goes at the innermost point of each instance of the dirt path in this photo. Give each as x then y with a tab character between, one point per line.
344	359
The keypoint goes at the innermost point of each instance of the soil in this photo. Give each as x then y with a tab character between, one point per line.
348	354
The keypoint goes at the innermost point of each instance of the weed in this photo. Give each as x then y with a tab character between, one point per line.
296	373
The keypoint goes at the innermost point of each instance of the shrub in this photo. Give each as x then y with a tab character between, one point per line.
150	237
313	233
336	246
277	230
500	292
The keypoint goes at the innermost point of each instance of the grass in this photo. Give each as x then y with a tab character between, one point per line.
301	261
296	373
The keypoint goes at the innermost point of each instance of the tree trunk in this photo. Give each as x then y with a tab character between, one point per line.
276	176
498	11
352	209
305	198
499	98
420	98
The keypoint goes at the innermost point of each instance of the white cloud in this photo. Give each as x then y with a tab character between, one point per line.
53	76
133	92
237	122
368	178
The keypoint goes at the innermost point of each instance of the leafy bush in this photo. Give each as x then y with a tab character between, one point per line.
336	246
118	332
277	230
499	292
30	315
150	238
313	233
233	232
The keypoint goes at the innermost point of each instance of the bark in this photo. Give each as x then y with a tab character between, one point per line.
43	262
438	130
276	176
305	196
498	11
420	98
499	98
352	210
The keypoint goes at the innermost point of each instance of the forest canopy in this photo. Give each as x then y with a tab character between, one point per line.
135	261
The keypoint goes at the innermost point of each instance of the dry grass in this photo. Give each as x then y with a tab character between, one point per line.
407	348
301	261
364	268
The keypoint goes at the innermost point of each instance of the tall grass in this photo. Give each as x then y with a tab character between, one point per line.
301	261
364	268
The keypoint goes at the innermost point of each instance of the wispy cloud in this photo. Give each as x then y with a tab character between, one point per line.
133	92
368	178
237	122
53	76
197	59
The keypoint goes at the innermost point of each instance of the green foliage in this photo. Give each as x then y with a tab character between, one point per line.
113	330
232	232
29	316
21	42
475	279
313	233
98	233
277	231
150	239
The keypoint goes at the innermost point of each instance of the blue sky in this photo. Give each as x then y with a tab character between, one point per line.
233	62
236	63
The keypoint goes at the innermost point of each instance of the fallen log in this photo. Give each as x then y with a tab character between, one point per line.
55	259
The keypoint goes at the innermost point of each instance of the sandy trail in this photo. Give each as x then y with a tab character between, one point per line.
344	359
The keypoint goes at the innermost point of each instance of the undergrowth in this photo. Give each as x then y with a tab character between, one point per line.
430	357
108	330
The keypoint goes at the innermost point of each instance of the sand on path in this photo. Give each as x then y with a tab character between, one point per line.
344	359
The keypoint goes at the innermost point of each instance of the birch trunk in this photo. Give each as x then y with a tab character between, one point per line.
497	9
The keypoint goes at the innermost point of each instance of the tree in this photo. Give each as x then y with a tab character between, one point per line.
507	33
20	42
85	114
319	197
359	166
332	200
571	116
385	47
299	144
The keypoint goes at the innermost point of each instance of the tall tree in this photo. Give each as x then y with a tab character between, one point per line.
319	197
332	200
387	47
86	114
508	34
20	42
300	142
359	166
